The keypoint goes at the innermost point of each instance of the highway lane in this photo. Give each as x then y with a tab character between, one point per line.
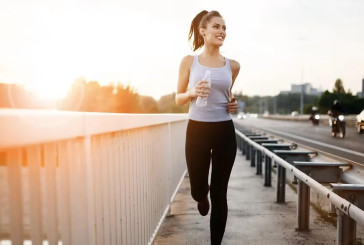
319	137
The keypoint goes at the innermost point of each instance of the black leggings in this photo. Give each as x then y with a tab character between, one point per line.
215	141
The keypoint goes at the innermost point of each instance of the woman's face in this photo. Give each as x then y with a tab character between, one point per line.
215	31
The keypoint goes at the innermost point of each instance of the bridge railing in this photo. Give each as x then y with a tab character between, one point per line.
352	214
87	178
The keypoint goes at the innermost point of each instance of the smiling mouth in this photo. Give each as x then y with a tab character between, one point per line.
220	38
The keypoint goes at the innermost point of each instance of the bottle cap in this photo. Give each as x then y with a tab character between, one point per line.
208	73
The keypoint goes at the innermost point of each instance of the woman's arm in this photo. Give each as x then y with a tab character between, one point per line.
235	68
184	95
232	107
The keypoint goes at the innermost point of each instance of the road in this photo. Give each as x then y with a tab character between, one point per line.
318	137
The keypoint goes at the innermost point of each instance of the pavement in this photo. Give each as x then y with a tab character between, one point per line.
254	216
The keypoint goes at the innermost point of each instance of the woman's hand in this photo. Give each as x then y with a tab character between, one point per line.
202	89
232	106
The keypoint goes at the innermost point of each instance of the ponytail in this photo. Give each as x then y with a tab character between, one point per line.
200	21
195	32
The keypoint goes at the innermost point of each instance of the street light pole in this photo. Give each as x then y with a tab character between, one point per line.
275	105
301	104
302	40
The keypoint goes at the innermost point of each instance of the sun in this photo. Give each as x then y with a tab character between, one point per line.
49	91
50	81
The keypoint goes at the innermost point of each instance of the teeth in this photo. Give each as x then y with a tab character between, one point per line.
219	38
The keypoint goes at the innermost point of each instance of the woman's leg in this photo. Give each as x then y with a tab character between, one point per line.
223	157
198	155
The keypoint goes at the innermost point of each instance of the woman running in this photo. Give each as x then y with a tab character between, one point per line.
210	132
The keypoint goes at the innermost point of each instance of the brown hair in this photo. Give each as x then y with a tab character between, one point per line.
200	21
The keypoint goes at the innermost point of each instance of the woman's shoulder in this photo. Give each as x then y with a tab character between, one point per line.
187	61
234	64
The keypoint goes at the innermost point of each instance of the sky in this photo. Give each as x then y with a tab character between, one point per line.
47	44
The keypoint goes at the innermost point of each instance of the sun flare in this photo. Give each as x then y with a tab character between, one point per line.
50	91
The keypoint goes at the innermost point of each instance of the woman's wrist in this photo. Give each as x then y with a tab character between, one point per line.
190	95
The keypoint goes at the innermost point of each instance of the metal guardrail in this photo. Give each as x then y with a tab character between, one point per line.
356	173
342	205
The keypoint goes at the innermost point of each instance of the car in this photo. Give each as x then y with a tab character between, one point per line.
294	113
241	115
360	122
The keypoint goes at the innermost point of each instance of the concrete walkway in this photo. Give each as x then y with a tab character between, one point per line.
254	216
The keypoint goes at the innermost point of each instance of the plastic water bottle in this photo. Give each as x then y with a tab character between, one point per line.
202	101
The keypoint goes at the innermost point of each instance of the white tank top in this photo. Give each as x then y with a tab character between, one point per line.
221	80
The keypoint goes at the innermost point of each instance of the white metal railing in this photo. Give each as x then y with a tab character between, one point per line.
88	178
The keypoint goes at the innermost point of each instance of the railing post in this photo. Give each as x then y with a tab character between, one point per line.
89	168
78	169
281	184
268	171
243	146
259	162
51	202
339	227
169	167
353	193
35	166
13	159
252	156
247	151
346	229
303	207
238	142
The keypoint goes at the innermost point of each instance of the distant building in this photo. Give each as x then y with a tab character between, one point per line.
361	93
306	87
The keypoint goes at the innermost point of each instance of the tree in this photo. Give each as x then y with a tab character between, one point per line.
339	87
352	104
127	100
148	104
82	96
92	97
4	95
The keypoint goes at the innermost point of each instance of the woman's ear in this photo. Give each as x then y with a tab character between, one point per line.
202	32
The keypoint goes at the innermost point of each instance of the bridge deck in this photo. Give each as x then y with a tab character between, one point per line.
254	216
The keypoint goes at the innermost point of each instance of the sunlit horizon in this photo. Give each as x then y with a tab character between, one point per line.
46	46
54	93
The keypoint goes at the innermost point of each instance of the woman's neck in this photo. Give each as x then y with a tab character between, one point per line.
211	52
